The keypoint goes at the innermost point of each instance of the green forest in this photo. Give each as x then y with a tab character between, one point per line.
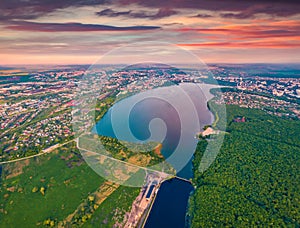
255	179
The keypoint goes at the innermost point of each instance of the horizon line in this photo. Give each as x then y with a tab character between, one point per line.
84	64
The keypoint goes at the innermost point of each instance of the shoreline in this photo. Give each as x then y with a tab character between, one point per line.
144	217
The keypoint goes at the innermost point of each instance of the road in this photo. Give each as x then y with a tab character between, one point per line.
44	151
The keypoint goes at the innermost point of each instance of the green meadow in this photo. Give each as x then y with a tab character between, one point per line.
45	190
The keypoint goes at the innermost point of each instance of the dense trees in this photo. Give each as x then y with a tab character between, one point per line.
256	177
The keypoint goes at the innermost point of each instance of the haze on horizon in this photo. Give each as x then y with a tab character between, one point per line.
79	32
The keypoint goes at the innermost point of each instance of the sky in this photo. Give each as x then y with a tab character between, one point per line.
216	31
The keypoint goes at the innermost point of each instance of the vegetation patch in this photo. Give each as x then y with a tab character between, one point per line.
256	177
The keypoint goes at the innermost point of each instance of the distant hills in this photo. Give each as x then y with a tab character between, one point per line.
6	68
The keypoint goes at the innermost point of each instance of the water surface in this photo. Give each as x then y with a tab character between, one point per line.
171	115
169	207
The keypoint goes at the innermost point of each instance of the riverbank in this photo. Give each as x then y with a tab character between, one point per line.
145	216
142	205
168	145
157	211
248	163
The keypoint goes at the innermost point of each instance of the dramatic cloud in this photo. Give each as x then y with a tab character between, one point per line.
72	27
161	13
238	9
31	9
223	29
273	9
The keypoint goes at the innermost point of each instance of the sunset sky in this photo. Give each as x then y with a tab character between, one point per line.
80	31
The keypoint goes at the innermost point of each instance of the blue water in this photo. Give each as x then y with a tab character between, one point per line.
169	208
145	109
170	205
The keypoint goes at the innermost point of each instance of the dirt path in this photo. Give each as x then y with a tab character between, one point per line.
126	163
44	151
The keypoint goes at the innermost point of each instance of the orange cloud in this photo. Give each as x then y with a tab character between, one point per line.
243	44
284	34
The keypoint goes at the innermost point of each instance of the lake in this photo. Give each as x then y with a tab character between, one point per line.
170	115
173	116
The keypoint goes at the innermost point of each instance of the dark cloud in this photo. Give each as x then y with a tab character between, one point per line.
240	9
72	27
173	24
237	15
282	10
202	15
112	13
161	13
31	9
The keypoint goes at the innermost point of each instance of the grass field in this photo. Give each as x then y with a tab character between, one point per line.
67	181
108	214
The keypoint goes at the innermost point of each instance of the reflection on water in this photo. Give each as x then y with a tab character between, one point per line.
170	115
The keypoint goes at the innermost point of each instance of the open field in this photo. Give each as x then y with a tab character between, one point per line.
45	190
